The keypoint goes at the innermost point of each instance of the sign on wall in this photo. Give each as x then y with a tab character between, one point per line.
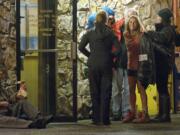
29	25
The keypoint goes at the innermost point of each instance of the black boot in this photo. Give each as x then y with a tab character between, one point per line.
156	118
38	123
41	122
165	109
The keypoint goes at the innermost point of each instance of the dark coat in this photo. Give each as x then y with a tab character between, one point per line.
121	61
159	49
100	40
146	69
122	57
164	43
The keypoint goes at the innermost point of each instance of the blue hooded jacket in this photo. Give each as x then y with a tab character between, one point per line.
91	20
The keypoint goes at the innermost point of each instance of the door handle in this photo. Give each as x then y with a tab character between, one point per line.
41	51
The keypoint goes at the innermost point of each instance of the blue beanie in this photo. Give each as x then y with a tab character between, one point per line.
108	10
91	20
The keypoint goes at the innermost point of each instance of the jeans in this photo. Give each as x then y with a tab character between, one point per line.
120	93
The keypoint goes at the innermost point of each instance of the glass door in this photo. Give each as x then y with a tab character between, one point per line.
29	47
46	62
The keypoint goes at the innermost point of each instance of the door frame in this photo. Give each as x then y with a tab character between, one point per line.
52	104
18	36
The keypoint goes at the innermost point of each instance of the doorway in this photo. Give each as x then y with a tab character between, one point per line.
38	59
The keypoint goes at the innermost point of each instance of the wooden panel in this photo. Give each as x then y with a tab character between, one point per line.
30	75
177	15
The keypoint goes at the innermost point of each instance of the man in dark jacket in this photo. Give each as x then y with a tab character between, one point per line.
100	39
164	60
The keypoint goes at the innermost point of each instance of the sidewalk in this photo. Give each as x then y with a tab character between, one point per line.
117	128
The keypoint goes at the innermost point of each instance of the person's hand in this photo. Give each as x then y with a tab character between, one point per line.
143	29
21	94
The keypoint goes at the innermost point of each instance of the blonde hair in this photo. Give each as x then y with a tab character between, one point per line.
101	17
139	27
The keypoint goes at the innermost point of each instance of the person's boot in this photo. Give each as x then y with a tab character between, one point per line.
143	117
38	123
165	109
117	117
129	117
41	122
158	116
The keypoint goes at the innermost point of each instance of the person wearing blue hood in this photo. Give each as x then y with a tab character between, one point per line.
100	40
89	25
91	20
108	10
120	87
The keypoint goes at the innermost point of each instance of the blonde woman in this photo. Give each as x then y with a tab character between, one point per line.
132	36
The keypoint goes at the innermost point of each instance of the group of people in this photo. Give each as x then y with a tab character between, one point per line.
122	55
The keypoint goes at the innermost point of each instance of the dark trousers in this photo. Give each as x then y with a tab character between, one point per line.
24	109
162	73
162	79
100	89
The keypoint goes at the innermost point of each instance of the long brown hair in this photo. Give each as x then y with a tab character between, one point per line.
127	29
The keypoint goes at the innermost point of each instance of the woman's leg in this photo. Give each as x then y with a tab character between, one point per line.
132	97
143	97
95	81
132	88
142	117
106	92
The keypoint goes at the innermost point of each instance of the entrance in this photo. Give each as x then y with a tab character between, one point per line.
38	57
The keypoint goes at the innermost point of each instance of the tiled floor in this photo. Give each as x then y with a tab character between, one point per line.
117	128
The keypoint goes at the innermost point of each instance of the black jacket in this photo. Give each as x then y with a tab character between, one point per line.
100	40
121	60
146	69
164	41
159	48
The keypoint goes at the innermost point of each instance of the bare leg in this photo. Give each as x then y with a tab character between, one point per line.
132	88
143	117
143	97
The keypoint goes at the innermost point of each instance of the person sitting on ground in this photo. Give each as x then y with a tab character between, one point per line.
15	106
